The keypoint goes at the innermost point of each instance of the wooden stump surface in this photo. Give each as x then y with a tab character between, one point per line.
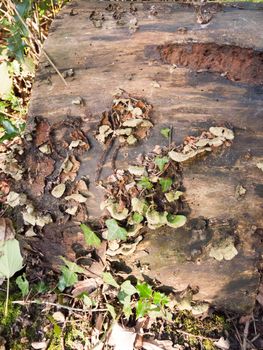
108	56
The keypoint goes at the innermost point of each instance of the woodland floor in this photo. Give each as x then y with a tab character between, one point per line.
93	306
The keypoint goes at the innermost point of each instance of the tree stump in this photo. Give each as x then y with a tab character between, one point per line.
197	67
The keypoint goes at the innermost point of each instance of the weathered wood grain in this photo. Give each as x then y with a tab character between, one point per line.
113	57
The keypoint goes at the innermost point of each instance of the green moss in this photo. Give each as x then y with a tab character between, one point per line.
13	310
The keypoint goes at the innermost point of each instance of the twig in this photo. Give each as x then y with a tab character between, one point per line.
244	347
46	303
7	114
54	66
103	158
195	336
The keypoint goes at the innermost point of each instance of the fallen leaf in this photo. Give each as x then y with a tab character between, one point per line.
181	157
115	231
70	169
90	237
11	260
58	190
121	132
155	219
88	285
6	229
133	123
4	190
139	205
76	197
131	140
14	199
260	165
59	316
113	209
40	345
30	232
176	221
72	210
42	132
45	149
240	191
173	196
222	132
224	250
222	344
120	336
165	132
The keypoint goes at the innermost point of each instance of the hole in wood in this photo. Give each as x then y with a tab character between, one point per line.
236	63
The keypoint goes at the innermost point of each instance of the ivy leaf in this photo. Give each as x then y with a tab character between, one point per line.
166	183
173	196
69	274
108	279
111	310
176	221
10	130
160	162
137	218
144	290
11	260
145	183
124	298
115	231
142	308
87	301
90	237
139	205
165	132
160	298
128	288
127	310
23	284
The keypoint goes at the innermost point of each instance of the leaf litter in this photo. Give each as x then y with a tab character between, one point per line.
147	193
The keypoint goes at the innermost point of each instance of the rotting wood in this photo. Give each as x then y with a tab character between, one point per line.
115	57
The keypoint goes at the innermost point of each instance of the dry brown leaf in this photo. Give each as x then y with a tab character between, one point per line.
45	149
70	169
42	132
76	197
6	229
39	168
4	190
14	199
88	285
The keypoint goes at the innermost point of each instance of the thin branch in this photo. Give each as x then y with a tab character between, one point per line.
244	347
201	337
46	303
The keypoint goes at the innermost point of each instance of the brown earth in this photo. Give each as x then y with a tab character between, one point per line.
234	62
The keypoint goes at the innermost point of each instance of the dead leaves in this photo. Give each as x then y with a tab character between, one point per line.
225	249
133	338
216	137
128	120
6	229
